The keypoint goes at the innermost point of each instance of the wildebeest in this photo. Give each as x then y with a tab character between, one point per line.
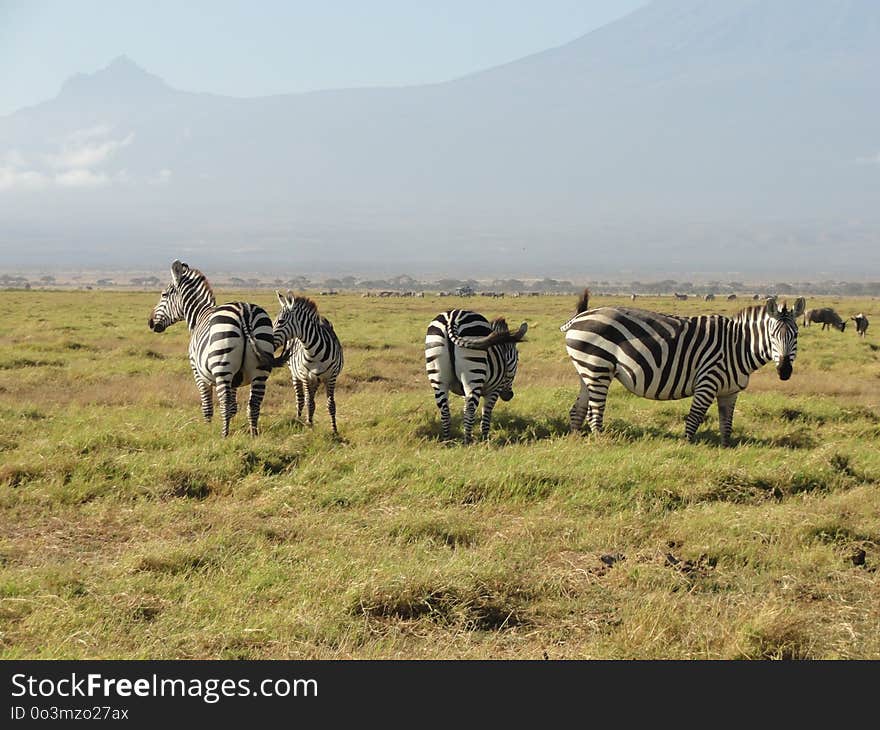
861	324
826	316
680	297
710	298
731	297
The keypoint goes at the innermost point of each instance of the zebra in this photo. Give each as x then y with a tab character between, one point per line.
316	354
663	357
467	355
230	345
861	324
827	316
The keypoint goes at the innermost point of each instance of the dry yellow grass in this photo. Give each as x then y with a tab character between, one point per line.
128	528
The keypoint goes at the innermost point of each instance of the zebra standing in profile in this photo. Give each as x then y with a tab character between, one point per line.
662	357
316	354
467	355
230	345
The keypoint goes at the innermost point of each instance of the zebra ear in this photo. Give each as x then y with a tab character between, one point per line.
289	298
772	308
799	306
178	269
281	298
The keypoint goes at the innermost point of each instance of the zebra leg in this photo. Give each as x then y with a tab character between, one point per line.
258	390
486	421
580	409
331	402
206	396
441	398
703	397
300	397
470	411
234	404
726	404
596	410
311	389
225	398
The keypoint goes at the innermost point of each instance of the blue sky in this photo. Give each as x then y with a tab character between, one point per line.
271	46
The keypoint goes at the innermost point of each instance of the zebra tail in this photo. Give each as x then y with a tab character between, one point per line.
266	362
582	306
282	359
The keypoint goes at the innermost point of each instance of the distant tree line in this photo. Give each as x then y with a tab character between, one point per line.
406	283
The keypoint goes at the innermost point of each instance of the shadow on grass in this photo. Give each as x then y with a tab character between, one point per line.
796	440
508	428
513	428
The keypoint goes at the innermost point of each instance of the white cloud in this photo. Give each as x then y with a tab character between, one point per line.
12	178
82	150
83	135
14	158
870	160
81	179
163	177
77	164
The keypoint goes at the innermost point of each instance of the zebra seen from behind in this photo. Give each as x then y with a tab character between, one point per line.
230	345
663	357
468	356
315	355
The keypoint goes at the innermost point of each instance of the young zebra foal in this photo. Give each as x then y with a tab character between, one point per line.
316	355
470	357
230	345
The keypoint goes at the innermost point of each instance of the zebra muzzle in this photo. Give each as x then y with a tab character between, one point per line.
155	326
784	369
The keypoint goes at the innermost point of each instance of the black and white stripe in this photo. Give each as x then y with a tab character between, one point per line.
662	357
230	345
316	356
467	355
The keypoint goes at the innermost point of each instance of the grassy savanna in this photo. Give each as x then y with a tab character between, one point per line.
130	529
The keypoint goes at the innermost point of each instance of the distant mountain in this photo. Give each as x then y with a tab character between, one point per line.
692	135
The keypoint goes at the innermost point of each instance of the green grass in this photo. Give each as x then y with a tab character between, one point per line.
129	529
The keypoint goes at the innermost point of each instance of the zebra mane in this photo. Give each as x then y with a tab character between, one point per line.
196	274
306	303
751	314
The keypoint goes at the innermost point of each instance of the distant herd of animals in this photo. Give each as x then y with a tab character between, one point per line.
653	355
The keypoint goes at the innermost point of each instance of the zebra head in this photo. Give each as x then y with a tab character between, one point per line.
296	313
186	295
782	332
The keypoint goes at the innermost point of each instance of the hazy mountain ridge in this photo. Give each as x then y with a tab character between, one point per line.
686	134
